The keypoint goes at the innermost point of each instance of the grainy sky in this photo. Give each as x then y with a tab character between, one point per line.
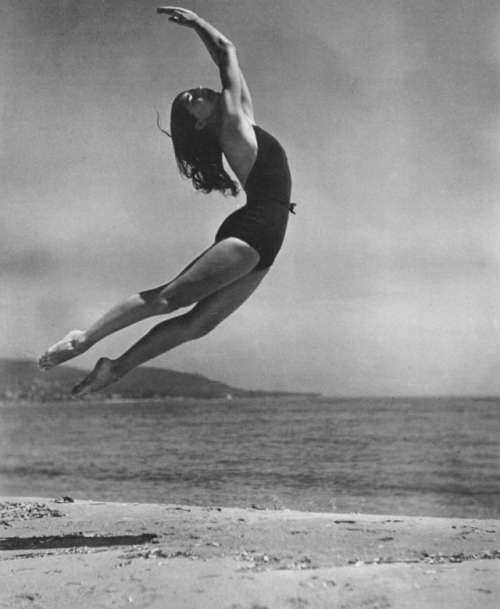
388	283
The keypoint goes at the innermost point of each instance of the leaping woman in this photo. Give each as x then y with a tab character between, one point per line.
205	126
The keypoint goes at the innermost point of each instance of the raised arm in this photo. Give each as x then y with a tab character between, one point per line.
246	99
223	53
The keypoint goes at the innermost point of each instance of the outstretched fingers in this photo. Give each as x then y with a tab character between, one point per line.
168	10
179	15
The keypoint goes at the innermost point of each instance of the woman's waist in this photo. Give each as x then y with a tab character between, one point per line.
265	200
269	184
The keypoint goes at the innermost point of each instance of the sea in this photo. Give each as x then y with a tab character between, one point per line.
415	457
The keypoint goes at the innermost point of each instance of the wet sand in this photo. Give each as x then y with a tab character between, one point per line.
57	554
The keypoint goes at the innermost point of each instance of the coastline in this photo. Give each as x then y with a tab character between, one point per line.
57	554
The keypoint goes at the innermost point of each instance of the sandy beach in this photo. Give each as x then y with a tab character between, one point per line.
57	553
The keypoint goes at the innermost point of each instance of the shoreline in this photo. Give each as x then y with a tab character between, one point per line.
99	554
98	399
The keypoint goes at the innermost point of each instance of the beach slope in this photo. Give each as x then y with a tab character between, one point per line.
56	554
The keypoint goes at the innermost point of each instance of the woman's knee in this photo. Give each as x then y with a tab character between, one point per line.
158	302
200	325
181	294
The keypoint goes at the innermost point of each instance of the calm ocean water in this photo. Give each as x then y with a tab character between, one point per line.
432	457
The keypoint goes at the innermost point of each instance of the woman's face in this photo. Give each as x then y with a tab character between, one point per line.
200	103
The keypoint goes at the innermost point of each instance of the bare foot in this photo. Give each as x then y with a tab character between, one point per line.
64	350
101	376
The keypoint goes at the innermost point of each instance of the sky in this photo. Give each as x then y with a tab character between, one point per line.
388	282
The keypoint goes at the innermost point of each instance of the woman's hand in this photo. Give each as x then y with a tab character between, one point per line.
179	15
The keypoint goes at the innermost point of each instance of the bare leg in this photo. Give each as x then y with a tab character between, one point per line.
130	311
136	308
218	266
198	322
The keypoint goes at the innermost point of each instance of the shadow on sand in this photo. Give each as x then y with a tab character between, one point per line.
88	540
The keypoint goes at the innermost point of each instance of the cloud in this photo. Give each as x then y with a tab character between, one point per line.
388	280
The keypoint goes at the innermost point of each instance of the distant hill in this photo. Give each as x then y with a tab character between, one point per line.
23	380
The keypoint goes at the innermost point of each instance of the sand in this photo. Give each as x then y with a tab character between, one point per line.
57	554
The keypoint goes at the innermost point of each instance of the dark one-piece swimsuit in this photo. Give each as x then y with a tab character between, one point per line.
263	220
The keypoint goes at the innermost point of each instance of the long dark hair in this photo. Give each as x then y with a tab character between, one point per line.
198	153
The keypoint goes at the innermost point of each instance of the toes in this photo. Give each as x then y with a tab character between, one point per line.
78	389
44	362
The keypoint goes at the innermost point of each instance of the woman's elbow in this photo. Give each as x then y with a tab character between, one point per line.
228	47
227	54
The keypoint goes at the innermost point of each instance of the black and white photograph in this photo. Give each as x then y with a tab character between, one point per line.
250	304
